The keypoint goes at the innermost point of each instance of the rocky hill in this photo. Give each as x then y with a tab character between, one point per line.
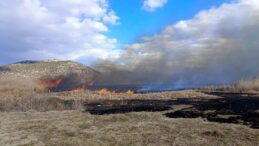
52	74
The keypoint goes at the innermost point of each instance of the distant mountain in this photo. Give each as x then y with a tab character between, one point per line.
53	74
27	62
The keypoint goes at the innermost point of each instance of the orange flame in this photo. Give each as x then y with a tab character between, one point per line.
104	91
49	84
130	92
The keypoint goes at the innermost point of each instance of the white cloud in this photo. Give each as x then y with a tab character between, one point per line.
151	5
217	46
111	18
62	29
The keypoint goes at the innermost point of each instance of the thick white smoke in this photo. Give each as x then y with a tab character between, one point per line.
217	46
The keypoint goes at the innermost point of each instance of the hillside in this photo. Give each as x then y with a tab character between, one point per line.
51	74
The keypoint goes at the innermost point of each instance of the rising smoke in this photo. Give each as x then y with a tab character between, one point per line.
217	46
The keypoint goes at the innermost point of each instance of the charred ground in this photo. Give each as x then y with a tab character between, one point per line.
236	108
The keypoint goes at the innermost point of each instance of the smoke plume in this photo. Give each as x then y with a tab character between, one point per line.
217	46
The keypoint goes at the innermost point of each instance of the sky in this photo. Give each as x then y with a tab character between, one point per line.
136	20
87	30
213	44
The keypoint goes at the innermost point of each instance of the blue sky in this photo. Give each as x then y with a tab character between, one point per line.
135	21
42	29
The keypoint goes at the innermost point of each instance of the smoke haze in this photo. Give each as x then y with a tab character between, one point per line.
215	47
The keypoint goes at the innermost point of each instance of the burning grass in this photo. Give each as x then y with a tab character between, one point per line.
48	84
26	100
62	118
106	91
21	95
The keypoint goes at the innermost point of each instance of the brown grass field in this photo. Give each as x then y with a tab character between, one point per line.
30	118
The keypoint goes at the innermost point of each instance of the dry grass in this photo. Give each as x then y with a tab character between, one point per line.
19	94
248	85
64	124
74	101
15	86
82	129
41	104
241	86
95	96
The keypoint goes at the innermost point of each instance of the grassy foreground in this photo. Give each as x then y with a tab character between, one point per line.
45	119
74	128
